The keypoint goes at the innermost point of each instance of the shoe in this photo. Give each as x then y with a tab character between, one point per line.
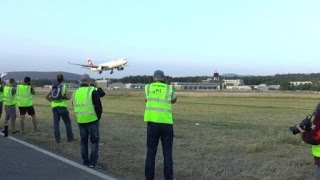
16	131
91	166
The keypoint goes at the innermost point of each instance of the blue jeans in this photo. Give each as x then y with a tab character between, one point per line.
64	114
156	131
89	130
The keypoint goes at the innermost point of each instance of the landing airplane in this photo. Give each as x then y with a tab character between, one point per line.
116	64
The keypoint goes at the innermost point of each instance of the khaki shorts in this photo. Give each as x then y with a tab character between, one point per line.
10	112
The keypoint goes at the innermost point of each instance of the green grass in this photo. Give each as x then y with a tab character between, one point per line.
239	136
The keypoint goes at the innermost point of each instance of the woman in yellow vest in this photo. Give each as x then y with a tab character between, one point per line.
9	101
24	102
88	110
313	137
158	114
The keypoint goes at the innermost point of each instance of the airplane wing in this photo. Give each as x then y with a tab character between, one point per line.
84	65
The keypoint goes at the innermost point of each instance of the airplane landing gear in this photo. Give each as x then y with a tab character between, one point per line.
100	72
111	71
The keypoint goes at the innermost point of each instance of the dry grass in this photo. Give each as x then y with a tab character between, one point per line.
239	136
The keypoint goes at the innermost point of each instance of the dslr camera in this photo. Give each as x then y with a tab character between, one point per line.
305	124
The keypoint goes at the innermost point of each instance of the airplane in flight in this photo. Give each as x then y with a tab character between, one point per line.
2	75
116	64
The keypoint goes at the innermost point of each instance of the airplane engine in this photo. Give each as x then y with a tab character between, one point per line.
100	68
120	68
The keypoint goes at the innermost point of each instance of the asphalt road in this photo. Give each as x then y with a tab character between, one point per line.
23	161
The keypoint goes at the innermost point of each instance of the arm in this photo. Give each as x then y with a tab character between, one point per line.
32	90
97	103
101	92
65	92
48	97
173	97
312	136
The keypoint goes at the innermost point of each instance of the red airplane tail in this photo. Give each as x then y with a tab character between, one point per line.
90	63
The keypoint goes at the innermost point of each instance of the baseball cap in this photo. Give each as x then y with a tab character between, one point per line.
158	74
85	77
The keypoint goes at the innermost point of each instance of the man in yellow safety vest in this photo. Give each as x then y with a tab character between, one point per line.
24	102
88	110
58	97
158	114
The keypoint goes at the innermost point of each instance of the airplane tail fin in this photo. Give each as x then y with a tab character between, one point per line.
90	63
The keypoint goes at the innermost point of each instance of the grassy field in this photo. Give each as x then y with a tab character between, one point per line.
239	136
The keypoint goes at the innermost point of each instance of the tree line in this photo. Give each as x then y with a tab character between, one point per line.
279	79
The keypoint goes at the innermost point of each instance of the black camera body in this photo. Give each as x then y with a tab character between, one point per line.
305	125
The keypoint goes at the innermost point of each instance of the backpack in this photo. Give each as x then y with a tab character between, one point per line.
56	93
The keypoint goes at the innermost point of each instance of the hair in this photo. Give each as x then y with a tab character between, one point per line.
12	81
27	79
60	78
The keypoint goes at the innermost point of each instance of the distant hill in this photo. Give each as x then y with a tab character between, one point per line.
19	75
230	75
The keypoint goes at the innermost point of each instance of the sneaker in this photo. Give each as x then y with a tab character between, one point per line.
91	166
16	131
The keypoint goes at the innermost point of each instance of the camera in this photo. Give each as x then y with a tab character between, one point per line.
305	125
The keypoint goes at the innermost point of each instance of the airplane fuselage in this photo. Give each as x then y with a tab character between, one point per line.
117	64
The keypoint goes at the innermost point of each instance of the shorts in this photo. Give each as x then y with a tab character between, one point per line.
10	112
24	110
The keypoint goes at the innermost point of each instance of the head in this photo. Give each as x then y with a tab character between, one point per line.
158	76
12	81
60	78
27	80
85	79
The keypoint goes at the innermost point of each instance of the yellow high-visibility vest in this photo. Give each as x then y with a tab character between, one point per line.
158	106
23	95
83	106
8	97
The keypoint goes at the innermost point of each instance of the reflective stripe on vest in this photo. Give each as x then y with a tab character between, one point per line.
24	96
158	106
316	150
8	98
83	105
62	103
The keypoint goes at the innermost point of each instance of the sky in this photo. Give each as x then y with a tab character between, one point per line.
182	38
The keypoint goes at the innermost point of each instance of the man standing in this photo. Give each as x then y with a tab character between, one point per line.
88	110
24	102
9	92
58	98
158	114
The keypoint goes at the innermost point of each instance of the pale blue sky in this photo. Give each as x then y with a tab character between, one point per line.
256	37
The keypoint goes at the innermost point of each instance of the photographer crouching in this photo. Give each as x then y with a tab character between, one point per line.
312	136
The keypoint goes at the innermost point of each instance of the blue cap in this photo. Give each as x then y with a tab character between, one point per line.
158	74
85	77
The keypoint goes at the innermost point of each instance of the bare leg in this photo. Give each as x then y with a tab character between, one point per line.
34	122
22	118
13	124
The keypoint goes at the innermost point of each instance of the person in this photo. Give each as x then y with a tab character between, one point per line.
9	93
88	110
98	89
1	96
58	97
158	116
24	102
313	137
